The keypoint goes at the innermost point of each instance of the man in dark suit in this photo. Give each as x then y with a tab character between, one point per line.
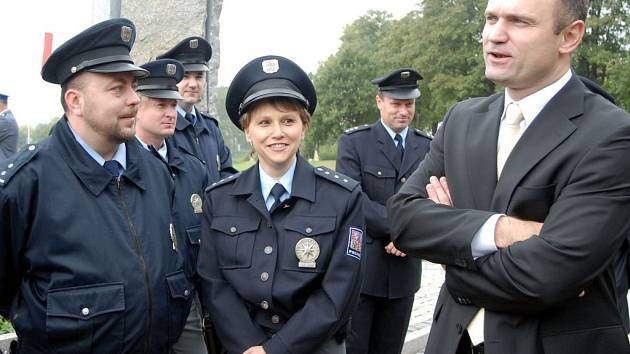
524	197
382	156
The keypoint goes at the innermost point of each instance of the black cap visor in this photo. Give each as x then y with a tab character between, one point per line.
402	94
188	67
166	94
119	67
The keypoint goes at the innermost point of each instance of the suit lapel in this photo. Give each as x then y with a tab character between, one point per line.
386	144
481	151
551	127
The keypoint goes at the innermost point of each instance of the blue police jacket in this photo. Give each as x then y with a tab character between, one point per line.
205	141
257	279
87	261
191	179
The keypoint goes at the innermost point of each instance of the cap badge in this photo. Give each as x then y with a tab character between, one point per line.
125	33
270	66
194	43
197	204
404	75
171	69
307	252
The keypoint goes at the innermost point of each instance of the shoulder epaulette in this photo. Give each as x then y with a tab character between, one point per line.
357	129
209	117
226	180
9	167
336	177
421	133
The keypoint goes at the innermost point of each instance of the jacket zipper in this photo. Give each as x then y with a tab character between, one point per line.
134	236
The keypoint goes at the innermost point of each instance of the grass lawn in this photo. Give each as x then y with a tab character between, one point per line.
243	165
5	327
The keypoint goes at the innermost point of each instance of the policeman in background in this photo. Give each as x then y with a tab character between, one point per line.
382	156
196	132
282	243
89	261
9	130
155	125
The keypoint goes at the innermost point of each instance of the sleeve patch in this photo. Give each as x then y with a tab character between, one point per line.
355	241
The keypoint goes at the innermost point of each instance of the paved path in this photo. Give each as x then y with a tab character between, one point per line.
422	314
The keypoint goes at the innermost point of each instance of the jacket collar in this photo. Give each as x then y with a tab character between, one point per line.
90	173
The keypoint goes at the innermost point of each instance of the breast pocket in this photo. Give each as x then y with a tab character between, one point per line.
234	239
379	182
304	237
85	317
532	202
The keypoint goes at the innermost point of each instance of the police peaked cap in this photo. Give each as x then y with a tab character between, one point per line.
193	52
401	84
102	48
164	74
265	77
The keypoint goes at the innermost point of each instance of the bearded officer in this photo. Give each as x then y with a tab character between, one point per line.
89	261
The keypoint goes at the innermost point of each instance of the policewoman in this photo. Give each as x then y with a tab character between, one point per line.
281	250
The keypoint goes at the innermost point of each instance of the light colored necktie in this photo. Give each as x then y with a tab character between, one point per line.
509	133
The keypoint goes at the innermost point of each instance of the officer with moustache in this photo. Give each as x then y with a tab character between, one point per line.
89	261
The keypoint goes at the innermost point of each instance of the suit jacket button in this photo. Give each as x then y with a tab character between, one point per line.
459	328
233	229
268	250
264	276
275	319
264	304
403	180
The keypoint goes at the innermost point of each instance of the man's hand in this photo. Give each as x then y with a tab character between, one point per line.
391	249
438	192
255	350
510	230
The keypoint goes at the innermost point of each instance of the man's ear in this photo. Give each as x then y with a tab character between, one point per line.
572	36
74	101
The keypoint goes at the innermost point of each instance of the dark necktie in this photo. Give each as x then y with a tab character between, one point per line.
190	118
399	146
113	167
276	192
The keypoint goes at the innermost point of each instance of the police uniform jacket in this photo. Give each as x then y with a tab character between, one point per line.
205	141
251	278
368	154
87	263
9	132
191	179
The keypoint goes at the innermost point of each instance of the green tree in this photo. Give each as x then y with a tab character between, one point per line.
37	133
345	95
605	51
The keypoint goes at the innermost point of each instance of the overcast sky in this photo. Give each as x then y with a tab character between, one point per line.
306	31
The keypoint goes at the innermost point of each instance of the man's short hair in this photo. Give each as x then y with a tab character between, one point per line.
75	83
568	11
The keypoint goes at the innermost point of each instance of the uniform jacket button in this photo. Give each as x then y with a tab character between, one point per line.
403	180
186	292
85	311
264	276
459	328
268	249
264	305
275	319
233	229
308	230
